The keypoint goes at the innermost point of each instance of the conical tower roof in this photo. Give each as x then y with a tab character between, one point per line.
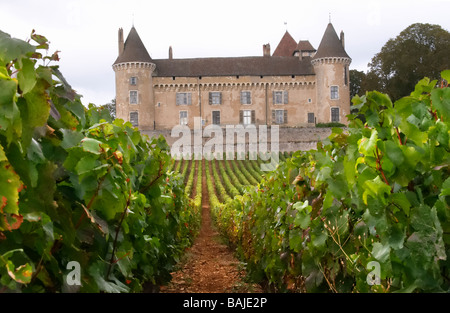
330	46
286	47
134	50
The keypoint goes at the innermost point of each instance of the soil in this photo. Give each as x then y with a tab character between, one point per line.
209	265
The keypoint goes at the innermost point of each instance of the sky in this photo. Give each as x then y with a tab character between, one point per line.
85	31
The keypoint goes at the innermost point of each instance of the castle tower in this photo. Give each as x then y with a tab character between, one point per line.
331	65
134	84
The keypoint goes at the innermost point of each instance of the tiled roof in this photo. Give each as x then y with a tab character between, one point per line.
304	45
252	66
134	50
286	47
331	45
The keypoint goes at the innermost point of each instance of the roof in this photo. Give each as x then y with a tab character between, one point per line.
304	45
331	45
286	47
252	66
134	50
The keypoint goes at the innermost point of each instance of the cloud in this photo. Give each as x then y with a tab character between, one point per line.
85	31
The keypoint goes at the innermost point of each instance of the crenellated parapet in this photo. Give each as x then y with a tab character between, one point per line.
331	60
134	65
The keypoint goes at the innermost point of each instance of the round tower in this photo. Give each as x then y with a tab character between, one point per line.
134	84
331	66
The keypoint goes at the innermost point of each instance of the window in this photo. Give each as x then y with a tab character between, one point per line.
216	117
279	116
133	97
335	115
280	97
246	97
133	81
134	118
184	98
215	98
247	117
310	117
334	92
183	117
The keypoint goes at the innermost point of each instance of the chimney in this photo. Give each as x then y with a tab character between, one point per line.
170	53
120	41
342	39
266	50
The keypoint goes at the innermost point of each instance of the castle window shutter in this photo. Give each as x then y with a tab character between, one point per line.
273	96
253	117
286	97
273	117
189	100
220	98
210	98
285	117
241	117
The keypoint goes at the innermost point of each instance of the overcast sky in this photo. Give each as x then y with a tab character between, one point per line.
85	31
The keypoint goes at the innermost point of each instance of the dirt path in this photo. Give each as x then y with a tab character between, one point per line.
210	266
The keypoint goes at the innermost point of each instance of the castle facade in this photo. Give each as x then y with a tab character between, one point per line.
296	86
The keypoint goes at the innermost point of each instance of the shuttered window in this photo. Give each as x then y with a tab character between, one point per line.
133	81
310	117
215	98
134	118
280	97
184	98
247	117
279	117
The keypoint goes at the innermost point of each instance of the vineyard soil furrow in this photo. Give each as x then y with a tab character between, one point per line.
209	265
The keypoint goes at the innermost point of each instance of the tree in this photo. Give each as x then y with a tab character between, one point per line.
356	81
111	107
421	50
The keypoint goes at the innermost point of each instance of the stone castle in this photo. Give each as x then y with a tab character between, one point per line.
296	86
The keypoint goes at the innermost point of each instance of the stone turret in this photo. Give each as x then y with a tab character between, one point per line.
134	84
331	65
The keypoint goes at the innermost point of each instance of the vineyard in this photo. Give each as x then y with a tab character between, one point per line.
367	211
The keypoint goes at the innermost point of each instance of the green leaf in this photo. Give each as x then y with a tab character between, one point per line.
377	189
12	48
26	75
394	153
381	252
86	164
366	145
446	75
445	188
21	274
91	145
441	101
70	138
295	240
10	121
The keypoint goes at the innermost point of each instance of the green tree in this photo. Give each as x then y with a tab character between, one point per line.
356	80
421	50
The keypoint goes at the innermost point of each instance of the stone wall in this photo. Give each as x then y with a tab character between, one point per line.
289	139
